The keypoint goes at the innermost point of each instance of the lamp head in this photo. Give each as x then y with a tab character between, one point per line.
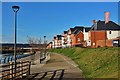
15	8
44	36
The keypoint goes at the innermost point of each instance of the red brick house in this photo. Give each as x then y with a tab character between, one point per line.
77	35
101	34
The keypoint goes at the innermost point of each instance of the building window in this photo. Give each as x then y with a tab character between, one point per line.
78	39
110	32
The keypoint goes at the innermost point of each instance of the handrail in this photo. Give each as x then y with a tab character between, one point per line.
8	70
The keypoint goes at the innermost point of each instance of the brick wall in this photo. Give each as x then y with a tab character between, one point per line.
101	43
81	37
96	36
72	36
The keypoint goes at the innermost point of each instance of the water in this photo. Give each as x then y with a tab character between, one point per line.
5	58
5	55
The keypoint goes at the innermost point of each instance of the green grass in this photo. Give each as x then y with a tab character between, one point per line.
95	63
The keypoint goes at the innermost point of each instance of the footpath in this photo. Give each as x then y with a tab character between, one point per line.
55	67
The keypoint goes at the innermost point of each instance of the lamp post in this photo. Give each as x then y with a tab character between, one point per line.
44	39
15	9
45	46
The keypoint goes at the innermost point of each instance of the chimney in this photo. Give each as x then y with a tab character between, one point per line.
93	21
107	17
84	30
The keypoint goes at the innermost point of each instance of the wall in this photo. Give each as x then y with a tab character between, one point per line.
113	34
53	44
68	40
85	35
81	36
86	39
97	35
101	43
63	45
49	46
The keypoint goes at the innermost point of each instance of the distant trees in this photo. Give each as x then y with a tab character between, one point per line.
34	42
31	41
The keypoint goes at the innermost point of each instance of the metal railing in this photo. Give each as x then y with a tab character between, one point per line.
8	59
7	71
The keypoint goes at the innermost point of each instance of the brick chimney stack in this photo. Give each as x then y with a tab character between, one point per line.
107	17
93	21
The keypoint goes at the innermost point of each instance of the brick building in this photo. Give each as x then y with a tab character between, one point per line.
101	34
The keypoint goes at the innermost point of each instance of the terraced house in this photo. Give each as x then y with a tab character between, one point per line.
100	34
56	43
78	35
71	38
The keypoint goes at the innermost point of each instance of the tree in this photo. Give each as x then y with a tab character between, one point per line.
32	42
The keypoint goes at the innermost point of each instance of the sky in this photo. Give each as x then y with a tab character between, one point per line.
38	19
60	0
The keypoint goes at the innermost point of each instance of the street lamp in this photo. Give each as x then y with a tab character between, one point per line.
45	46
15	9
44	39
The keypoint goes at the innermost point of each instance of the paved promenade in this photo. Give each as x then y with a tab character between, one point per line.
58	67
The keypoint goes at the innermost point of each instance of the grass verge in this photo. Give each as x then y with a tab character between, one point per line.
95	63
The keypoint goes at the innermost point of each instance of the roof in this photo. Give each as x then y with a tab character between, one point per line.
59	37
72	29
87	29
77	29
65	32
54	37
109	26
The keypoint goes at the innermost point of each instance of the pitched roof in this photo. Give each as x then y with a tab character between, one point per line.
77	29
87	29
109	26
59	37
65	32
72	29
54	37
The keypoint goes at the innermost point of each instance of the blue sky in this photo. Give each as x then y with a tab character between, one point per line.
37	19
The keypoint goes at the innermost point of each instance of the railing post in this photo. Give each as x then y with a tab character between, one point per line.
27	70
21	69
1	73
29	67
11	70
4	59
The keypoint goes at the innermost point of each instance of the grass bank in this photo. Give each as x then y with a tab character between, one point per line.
95	63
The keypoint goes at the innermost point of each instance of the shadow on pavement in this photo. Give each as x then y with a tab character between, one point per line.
49	75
